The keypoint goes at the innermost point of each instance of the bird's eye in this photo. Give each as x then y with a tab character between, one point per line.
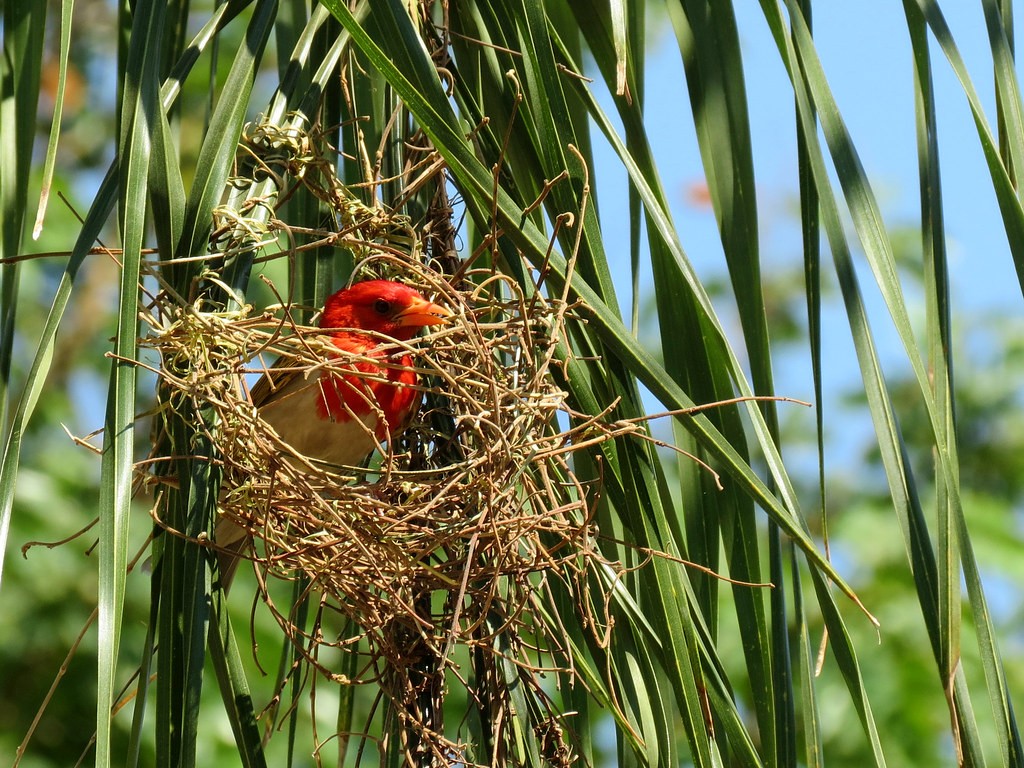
382	306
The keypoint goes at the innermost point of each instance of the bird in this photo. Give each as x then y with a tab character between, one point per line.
335	417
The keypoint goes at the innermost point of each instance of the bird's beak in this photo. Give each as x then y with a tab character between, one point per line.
421	312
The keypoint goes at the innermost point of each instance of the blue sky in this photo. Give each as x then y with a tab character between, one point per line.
865	51
870	72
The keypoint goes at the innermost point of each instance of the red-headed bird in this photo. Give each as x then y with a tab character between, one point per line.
336	417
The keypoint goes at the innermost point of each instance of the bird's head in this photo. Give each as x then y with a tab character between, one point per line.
383	306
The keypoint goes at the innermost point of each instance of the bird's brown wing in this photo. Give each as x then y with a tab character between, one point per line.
274	378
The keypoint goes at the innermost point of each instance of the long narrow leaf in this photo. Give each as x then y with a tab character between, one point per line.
138	124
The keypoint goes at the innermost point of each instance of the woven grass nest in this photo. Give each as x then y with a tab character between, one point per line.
477	500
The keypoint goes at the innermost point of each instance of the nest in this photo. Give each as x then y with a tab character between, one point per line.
450	536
